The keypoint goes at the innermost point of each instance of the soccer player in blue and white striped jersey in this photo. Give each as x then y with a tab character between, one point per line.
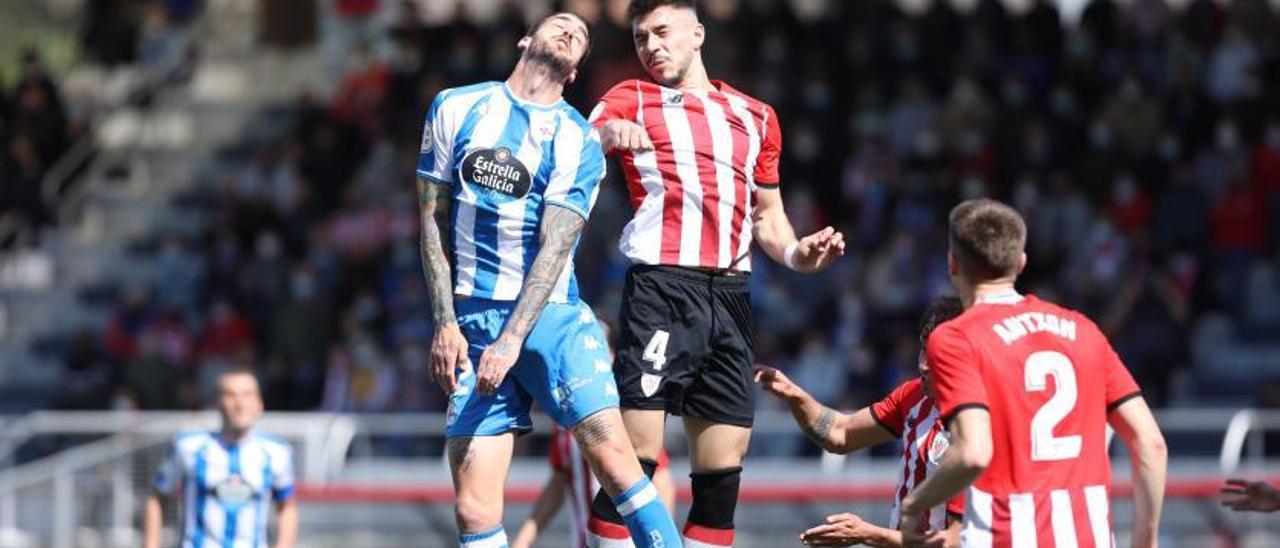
514	172
228	478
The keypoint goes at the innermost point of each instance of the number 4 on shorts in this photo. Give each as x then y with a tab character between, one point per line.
656	351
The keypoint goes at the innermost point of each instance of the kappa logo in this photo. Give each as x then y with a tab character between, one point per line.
590	343
602	366
649	384
586	317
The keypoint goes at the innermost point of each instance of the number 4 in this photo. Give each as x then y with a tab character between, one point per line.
656	351
1044	445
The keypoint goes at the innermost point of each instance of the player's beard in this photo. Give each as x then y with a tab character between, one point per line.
675	79
540	53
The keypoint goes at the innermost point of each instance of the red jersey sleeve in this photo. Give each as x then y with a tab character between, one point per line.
891	412
619	103
1120	384
955	371
766	174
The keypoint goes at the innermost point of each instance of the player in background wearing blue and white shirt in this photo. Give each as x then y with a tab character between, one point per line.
516	170
227	478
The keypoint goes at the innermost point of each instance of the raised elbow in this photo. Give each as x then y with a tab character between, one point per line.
975	459
1154	447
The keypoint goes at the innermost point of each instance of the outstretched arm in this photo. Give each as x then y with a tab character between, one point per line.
559	232
448	346
833	431
286	524
773	231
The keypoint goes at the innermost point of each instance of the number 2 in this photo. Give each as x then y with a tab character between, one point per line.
656	351
1044	445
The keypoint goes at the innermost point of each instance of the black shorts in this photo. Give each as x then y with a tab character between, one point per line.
685	344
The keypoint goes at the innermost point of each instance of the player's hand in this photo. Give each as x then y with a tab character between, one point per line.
495	362
775	382
818	250
1250	496
625	136
840	530
448	352
916	533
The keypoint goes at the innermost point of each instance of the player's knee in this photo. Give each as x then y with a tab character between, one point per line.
715	497
475	515
650	466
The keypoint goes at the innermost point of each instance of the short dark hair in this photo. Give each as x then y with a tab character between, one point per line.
640	8
987	238
940	311
533	29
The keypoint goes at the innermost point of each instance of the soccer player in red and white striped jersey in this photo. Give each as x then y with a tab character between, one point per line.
1027	389
701	163
907	414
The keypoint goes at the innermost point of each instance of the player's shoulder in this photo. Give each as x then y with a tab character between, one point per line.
450	97
909	392
190	440
752	102
272	442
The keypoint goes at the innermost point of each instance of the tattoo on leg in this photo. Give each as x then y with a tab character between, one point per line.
461	453
593	430
819	430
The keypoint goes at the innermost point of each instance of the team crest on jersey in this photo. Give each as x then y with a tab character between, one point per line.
234	492
649	384
938	448
498	171
427	141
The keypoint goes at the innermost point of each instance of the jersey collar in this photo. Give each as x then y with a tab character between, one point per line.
1007	296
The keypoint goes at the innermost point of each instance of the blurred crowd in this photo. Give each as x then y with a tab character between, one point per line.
35	130
1142	145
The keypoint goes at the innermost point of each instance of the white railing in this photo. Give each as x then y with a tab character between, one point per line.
98	485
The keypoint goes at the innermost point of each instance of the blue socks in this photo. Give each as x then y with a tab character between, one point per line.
647	519
493	538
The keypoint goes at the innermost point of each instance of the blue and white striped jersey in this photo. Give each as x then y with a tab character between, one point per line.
504	160
226	488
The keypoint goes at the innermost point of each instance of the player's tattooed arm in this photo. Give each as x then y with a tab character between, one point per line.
593	430
434	207
560	230
819	429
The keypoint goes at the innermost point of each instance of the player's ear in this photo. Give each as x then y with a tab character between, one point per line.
953	269
572	75
523	44
1022	263
699	35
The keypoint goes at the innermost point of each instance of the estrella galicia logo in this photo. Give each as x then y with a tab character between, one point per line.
496	170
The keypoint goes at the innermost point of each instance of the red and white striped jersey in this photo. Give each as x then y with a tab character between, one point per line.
910	414
1049	378
694	193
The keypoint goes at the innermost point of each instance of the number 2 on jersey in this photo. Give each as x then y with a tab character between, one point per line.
1044	445
656	351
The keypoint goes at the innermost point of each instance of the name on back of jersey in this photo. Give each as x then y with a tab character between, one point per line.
496	170
1012	328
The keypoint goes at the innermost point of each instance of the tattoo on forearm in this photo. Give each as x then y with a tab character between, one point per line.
819	430
461	453
559	232
435	262
593	430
